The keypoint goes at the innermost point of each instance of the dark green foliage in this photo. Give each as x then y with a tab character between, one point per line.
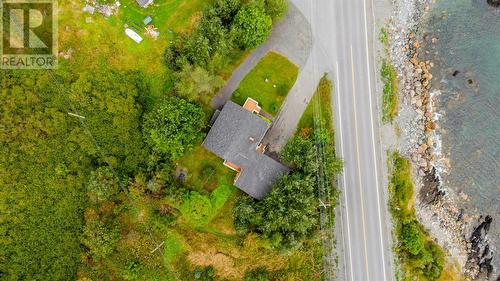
419	255
210	43
289	209
204	274
412	238
102	185
100	239
109	101
258	274
286	215
225	10
207	170
253	26
43	173
173	127
276	8
300	152
132	271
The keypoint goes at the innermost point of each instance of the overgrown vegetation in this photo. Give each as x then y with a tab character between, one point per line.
122	194
268	82
383	36
421	258
390	92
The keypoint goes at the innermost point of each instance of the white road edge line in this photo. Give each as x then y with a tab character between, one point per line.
373	140
359	167
337	92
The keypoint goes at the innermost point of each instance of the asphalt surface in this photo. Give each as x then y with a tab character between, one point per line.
364	211
343	47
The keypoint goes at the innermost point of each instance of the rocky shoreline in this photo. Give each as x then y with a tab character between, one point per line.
462	235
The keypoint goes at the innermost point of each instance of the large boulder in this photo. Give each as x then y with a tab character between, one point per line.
493	3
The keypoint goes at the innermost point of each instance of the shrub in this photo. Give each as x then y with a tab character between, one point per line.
276	8
258	274
207	170
102	185
252	26
100	239
173	127
412	238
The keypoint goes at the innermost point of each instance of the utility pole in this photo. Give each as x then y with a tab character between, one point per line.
158	247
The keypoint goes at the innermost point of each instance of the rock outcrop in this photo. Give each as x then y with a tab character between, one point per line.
493	3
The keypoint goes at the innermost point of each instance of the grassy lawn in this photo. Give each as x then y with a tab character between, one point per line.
322	97
98	41
205	170
280	74
390	92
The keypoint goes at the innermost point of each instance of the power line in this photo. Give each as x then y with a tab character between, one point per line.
81	119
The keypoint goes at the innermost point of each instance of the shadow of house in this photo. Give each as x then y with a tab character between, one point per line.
236	136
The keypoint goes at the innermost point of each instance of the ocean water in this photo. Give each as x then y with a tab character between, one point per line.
467	72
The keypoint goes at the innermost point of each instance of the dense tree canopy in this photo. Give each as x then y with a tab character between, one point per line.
42	178
100	239
108	100
103	185
276	8
173	126
196	83
253	26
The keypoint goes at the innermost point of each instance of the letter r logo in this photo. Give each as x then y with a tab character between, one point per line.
17	30
27	27
28	34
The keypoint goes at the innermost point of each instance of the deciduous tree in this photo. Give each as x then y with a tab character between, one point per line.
173	126
252	26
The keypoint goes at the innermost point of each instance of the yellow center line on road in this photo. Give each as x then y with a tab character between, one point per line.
359	167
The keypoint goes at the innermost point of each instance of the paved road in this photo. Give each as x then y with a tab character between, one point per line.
364	213
343	32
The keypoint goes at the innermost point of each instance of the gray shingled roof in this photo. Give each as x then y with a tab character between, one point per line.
234	136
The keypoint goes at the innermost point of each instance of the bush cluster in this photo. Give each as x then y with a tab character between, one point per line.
418	253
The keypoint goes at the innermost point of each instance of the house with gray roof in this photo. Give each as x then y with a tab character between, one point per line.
235	136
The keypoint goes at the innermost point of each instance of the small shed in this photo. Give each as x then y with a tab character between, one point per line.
147	20
144	3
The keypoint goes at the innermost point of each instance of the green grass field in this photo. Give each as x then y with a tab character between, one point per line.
323	98
280	73
205	170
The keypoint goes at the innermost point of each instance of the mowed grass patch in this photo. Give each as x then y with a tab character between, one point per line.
323	97
205	170
280	73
